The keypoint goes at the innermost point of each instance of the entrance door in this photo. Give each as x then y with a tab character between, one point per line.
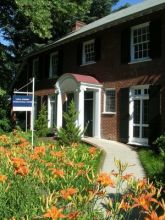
139	124
88	113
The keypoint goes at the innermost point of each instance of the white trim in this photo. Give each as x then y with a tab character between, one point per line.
50	65
84	62
67	83
133	59
132	98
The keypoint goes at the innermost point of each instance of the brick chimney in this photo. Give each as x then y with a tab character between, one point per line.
78	25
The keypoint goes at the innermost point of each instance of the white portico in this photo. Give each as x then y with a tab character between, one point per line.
86	92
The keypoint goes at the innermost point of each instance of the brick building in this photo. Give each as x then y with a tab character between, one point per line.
113	68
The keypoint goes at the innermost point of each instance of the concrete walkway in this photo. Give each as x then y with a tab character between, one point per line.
115	150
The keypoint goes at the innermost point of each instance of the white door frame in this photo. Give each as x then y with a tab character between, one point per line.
66	84
137	93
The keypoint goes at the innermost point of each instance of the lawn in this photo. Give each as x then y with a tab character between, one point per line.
154	165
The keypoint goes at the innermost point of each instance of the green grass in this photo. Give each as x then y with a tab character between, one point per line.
154	165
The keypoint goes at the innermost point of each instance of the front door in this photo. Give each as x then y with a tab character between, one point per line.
139	124
88	113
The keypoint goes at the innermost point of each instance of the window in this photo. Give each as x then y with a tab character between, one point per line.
109	101
140	42
53	73
88	52
35	67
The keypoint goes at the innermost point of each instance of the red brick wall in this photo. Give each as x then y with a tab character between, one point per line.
113	74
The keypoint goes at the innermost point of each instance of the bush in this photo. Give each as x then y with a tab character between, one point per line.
41	124
160	143
5	125
70	133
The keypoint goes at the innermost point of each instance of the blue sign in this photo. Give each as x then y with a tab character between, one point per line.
22	102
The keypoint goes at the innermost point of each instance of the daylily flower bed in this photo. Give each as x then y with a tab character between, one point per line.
51	182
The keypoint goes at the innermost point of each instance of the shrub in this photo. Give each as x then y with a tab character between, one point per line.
4	106
71	132
41	124
160	143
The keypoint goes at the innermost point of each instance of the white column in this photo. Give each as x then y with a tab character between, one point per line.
49	112
97	113
81	108
59	109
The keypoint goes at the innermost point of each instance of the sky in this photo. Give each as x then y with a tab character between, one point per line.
119	4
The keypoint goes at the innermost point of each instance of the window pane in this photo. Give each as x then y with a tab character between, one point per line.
145	105
110	101
144	132
136	131
136	119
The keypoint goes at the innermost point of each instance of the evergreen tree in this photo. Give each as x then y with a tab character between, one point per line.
70	133
41	124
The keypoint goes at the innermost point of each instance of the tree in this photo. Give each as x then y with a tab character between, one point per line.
100	8
41	124
4	121
70	133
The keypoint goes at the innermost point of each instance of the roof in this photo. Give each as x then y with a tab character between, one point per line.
132	12
85	78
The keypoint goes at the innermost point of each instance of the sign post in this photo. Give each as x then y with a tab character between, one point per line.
25	102
33	83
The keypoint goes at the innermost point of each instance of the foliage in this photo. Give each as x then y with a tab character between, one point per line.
4	103
70	133
160	143
32	182
153	164
56	182
100	8
41	124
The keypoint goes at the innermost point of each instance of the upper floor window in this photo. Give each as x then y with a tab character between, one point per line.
35	67
109	101
140	42
88	52
54	60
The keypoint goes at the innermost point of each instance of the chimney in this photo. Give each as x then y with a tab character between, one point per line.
78	25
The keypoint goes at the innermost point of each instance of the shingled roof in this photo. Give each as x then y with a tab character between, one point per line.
132	12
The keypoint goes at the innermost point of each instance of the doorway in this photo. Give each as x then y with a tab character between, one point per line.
88	113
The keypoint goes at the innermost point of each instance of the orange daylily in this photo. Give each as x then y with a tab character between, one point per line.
3	178
92	150
57	153
153	216
54	213
73	215
39	151
57	172
105	180
18	161
124	205
21	170
66	193
144	201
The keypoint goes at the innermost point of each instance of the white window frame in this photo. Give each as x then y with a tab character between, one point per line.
140	97
105	101
84	62
133	59
35	73
50	66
